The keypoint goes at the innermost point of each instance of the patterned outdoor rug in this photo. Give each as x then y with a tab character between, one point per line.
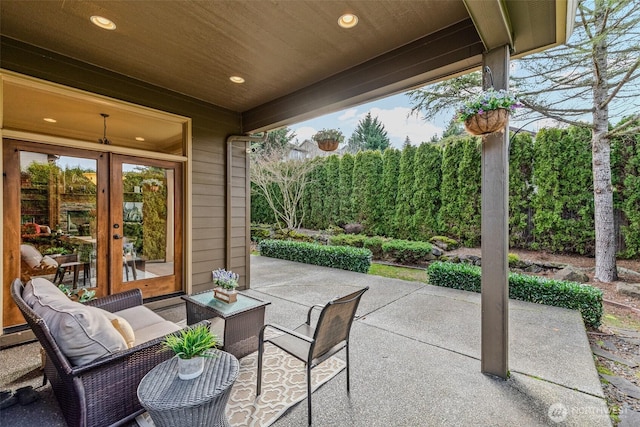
283	385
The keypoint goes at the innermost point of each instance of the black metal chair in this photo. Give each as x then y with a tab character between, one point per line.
313	345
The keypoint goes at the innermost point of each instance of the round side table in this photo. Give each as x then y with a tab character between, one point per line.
201	401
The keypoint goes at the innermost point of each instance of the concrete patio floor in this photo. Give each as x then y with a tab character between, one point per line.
415	358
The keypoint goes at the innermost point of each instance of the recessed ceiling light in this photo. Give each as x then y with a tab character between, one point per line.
139	138
236	79
103	22
348	20
50	120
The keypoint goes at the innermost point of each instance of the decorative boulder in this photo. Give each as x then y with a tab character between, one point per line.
571	274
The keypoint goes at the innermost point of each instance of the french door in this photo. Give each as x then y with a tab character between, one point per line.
90	220
146	225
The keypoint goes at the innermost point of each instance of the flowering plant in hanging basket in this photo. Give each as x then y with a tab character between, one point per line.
328	139
487	112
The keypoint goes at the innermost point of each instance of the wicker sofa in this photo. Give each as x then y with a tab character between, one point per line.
99	392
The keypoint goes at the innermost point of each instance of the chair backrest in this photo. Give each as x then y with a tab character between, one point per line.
40	329
334	323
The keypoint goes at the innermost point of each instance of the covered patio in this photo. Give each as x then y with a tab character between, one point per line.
415	357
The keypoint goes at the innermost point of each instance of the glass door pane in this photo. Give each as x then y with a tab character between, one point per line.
144	227
58	219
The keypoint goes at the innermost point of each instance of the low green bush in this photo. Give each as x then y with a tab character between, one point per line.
356	240
343	257
374	244
576	296
407	251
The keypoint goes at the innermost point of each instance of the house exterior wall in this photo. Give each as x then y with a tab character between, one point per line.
211	125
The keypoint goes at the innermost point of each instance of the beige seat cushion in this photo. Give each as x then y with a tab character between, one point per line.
154	331
139	317
82	332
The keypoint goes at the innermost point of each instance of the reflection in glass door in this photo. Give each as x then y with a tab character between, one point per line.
58	220
144	228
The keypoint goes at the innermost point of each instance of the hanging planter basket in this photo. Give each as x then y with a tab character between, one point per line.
487	122
328	144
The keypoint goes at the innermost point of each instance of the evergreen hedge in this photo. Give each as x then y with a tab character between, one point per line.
343	257
575	296
434	189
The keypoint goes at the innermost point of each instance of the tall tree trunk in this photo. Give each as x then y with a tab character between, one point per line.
602	189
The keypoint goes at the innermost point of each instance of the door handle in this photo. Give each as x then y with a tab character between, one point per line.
117	237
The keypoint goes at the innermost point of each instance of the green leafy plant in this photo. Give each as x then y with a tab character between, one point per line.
329	134
488	100
190	343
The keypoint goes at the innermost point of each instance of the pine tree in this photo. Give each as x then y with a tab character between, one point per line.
368	135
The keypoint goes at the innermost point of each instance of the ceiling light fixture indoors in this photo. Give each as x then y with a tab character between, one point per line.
236	79
50	120
104	139
102	22
348	20
139	138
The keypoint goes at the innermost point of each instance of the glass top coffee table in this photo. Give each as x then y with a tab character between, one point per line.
243	319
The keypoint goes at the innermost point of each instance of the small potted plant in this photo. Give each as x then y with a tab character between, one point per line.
191	346
328	139
487	112
226	282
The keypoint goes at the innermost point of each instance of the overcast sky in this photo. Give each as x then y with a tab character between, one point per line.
393	112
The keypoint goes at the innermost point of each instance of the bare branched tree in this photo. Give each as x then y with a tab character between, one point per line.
282	182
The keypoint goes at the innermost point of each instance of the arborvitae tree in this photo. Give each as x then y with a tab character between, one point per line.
316	216
564	215
260	210
625	162
428	178
469	194
347	214
449	210
389	189
367	176
404	201
332	189
520	190
369	135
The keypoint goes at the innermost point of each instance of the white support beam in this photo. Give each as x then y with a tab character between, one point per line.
495	229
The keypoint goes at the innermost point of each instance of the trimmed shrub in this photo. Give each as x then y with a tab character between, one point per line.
575	296
407	252
343	257
356	240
